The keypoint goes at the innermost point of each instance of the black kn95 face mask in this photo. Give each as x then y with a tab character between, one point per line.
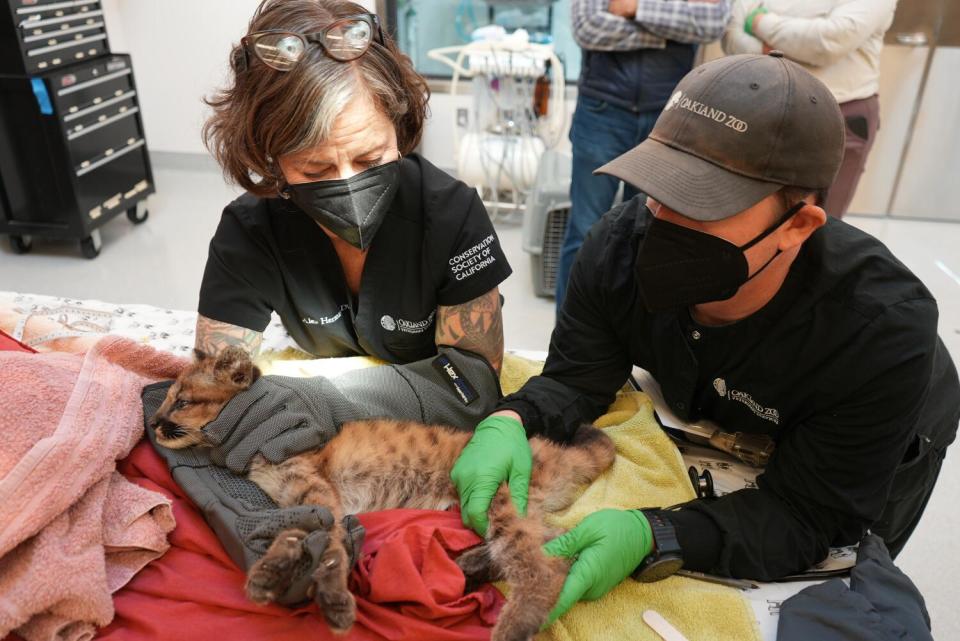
677	266
352	208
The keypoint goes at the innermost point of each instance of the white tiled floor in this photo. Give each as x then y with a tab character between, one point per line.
161	262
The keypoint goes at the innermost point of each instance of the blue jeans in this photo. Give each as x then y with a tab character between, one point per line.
599	133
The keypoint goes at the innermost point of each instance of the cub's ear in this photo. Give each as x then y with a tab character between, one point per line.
199	355
233	366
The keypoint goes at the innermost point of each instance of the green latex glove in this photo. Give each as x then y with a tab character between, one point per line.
497	452
608	546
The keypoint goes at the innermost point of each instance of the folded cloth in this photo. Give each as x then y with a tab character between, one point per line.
881	604
72	530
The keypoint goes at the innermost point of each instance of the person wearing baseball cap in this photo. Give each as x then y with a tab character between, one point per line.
726	281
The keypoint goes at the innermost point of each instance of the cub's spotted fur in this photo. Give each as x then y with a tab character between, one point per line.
383	464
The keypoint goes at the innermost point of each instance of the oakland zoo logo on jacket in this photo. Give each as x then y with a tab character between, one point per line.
766	413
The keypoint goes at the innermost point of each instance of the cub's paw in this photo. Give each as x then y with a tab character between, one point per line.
271	576
340	610
478	568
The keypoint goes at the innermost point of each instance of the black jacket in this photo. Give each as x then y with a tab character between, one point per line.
880	604
843	368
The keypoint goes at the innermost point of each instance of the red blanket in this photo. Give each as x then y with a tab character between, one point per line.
10	344
406	584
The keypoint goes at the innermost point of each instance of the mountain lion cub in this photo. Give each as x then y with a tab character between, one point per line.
383	464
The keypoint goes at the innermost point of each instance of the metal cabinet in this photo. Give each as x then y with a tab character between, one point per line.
72	152
41	35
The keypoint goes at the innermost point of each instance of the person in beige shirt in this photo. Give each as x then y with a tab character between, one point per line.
839	41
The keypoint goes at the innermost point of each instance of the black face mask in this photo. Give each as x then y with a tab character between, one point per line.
352	208
677	266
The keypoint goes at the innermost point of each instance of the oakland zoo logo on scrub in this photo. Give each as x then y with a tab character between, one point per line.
410	327
477	258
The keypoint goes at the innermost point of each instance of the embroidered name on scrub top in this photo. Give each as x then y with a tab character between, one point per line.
327	319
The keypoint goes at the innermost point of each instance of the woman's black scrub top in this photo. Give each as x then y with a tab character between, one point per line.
436	246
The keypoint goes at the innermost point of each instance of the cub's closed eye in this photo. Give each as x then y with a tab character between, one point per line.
180	404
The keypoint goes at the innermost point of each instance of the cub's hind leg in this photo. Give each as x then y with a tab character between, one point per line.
534	579
561	472
330	582
478	568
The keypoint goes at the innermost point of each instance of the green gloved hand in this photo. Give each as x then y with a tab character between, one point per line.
497	452
608	546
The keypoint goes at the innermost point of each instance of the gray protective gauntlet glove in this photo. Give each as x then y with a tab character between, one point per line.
277	416
242	516
280	416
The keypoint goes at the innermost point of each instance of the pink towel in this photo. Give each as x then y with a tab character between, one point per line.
72	530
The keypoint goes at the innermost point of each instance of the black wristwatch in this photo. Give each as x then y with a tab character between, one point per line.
667	557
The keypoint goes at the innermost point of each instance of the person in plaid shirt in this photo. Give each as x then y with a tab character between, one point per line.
634	53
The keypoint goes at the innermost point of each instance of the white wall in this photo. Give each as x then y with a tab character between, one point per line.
179	50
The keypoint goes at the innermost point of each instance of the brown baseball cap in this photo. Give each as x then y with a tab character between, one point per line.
735	131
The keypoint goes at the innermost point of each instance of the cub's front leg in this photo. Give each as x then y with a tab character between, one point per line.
270	577
287	562
330	579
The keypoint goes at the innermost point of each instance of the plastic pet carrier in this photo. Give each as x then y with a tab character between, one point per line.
545	220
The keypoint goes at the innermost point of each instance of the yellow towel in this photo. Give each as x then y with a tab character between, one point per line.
648	472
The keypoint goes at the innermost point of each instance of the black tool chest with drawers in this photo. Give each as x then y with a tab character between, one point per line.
73	153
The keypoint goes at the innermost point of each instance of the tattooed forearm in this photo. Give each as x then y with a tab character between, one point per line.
213	336
476	326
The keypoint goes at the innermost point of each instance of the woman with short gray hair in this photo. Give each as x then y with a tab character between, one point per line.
360	245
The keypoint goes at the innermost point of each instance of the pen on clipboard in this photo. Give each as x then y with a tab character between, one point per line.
740	584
